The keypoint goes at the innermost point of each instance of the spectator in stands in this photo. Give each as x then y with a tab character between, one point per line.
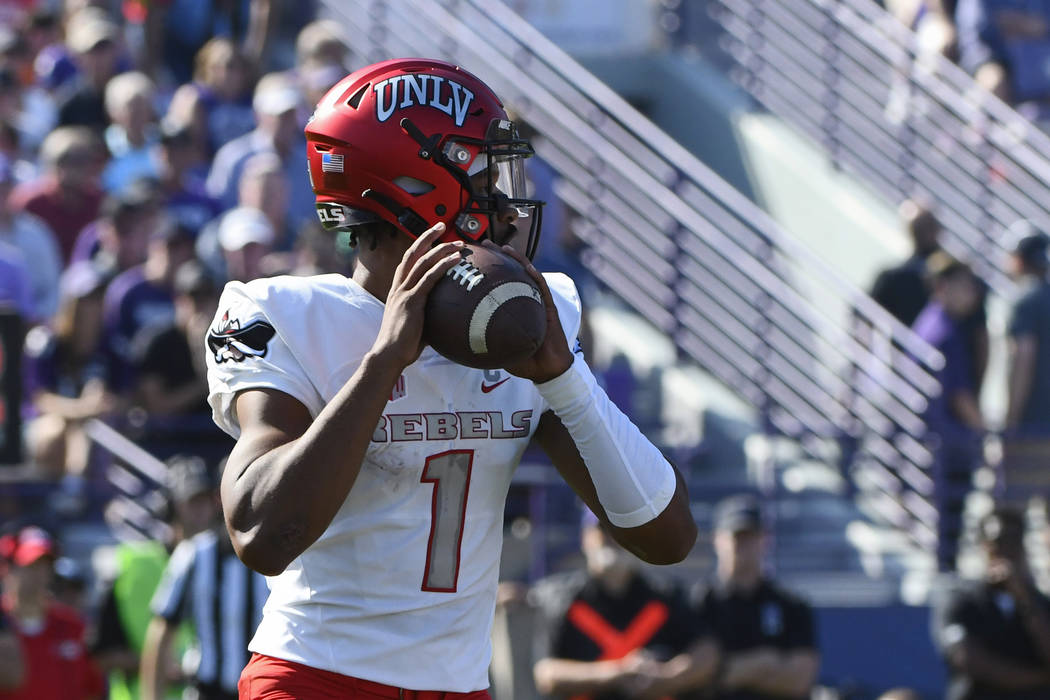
766	634
224	601
93	39
1026	444
171	376
246	237
68	195
615	634
1005	45
124	613
65	376
183	191
131	137
321	43
118	240
142	296
37	244
57	666
277	102
994	633
16	291
954	423
26	108
217	104
902	289
178	32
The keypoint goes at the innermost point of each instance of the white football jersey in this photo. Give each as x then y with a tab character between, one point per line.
400	589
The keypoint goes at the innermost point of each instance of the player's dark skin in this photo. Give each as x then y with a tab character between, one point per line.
289	473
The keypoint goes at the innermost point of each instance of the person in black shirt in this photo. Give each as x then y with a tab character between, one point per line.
614	634
994	633
766	635
902	289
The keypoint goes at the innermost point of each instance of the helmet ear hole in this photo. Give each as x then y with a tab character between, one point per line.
413	186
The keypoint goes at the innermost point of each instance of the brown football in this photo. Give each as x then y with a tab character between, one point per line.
486	311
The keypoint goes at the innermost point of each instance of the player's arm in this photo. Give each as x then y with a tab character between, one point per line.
1021	373
767	670
156	652
665	539
288	475
618	473
980	663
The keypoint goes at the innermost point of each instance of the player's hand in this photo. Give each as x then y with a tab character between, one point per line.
400	336
553	357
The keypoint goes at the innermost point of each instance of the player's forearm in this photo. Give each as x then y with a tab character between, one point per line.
988	668
155	649
1022	371
789	674
567	677
285	495
689	671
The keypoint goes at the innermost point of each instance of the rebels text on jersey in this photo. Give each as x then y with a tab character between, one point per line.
407	570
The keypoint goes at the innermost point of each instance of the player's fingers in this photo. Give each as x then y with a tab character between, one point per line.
431	276
429	259
418	248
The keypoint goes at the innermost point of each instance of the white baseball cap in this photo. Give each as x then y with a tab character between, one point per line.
245	225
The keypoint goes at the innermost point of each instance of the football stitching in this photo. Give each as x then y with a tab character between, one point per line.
465	274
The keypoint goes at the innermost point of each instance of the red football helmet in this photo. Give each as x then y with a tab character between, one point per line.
416	141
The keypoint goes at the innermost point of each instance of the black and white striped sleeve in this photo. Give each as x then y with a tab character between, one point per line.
169	600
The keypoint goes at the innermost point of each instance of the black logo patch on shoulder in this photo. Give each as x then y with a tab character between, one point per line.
228	341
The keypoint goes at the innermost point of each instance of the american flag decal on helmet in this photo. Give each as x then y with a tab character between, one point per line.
331	163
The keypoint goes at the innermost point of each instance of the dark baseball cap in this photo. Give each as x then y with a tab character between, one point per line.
1031	242
740	513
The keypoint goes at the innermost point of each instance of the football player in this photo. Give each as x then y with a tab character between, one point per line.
370	473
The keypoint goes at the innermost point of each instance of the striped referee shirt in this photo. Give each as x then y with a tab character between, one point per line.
205	581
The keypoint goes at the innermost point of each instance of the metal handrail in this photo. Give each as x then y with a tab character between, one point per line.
680	245
848	73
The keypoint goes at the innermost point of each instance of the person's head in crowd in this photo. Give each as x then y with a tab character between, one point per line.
922	225
222	68
178	153
316	80
7	183
276	103
604	558
321	43
74	156
316	252
740	541
170	245
78	321
29	558
196	298
1028	256
246	236
264	186
43	29
1001	536
129	219
93	40
129	104
192	491
952	285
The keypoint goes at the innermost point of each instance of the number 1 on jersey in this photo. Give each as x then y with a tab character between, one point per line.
450	474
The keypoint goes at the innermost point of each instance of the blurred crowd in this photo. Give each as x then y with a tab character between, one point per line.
1003	44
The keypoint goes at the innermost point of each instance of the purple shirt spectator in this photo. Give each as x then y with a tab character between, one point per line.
131	303
937	328
1013	33
15	290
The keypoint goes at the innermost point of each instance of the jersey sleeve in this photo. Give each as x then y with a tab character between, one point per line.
567	301
169	600
246	350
